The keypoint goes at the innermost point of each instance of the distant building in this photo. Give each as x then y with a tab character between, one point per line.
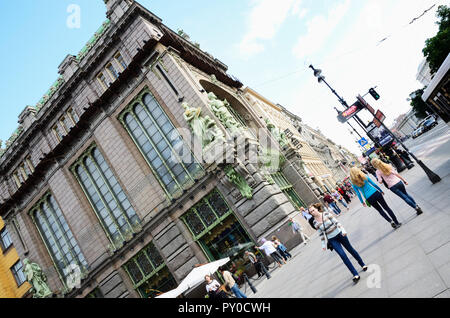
335	158
13	282
424	75
405	124
318	176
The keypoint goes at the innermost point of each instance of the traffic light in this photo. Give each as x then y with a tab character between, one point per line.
374	94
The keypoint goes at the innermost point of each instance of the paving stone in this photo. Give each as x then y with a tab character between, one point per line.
407	275
412	257
437	241
426	287
444	294
444	271
440	256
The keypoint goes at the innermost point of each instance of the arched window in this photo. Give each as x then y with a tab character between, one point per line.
57	236
106	196
161	145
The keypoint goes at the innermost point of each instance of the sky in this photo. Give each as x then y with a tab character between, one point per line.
267	44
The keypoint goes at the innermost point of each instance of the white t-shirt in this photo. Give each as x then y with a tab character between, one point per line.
268	248
213	286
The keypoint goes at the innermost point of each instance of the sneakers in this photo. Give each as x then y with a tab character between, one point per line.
419	210
398	225
365	268
356	279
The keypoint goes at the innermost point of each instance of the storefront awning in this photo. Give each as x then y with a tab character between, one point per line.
437	79
196	276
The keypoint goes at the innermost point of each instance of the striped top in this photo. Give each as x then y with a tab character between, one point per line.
332	227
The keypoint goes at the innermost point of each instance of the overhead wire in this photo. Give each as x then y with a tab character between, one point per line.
305	66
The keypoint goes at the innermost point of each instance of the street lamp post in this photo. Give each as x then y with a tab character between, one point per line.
434	178
321	78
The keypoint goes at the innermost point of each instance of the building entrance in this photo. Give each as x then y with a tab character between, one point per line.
218	232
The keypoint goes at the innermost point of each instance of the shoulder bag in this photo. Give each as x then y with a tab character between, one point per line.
329	246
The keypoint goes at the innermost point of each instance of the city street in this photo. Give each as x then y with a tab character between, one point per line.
413	261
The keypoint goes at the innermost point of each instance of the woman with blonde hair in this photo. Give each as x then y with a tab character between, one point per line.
372	194
395	182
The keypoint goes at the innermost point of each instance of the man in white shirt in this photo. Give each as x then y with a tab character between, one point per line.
269	248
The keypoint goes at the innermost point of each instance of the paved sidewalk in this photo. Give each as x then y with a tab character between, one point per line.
414	261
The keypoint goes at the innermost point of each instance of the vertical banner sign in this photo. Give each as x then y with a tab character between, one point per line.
366	104
379	118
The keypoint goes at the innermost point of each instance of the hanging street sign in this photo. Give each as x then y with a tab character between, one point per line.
363	142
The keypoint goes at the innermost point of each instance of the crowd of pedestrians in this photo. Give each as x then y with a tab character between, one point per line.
322	217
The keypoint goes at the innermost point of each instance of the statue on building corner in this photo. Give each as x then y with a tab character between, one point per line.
37	279
239	181
220	109
279	135
202	126
214	79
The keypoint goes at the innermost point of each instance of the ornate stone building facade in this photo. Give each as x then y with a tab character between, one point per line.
103	180
337	159
316	174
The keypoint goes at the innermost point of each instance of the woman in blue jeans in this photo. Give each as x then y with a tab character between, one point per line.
373	194
394	182
330	229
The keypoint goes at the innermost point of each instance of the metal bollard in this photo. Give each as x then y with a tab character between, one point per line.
250	284
265	270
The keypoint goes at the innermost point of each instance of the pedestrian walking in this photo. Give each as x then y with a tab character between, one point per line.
331	203
334	237
395	182
305	213
281	248
270	250
373	195
213	288
349	189
297	229
344	194
256	263
338	197
231	283
308	217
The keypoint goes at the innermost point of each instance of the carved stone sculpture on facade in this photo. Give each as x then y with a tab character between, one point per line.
37	279
220	109
279	135
239	181
203	127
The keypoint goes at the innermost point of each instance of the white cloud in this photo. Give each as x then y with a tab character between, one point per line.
264	20
358	63
319	28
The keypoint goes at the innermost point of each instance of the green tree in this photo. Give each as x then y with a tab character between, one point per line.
437	48
419	106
